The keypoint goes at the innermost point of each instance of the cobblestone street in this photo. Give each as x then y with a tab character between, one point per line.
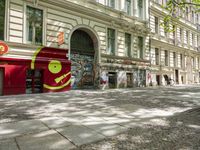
139	118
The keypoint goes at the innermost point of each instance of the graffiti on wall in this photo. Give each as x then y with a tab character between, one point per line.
122	79
139	77
82	69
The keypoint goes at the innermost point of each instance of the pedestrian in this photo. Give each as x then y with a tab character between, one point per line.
104	80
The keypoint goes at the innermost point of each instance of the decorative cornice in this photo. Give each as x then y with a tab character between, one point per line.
118	17
124	58
173	47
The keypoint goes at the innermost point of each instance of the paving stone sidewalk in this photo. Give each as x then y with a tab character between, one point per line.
139	118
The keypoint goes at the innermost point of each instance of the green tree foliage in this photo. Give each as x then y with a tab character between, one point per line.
174	7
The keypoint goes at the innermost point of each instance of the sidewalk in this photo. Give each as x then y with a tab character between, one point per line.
59	121
69	120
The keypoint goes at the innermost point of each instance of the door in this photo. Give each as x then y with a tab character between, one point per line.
158	79
176	76
1	80
112	79
83	58
142	78
129	80
34	82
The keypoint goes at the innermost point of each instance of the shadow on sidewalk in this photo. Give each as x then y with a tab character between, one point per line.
181	131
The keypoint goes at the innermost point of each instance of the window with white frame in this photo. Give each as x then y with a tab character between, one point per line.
174	32
140	8
195	41
128	44
180	12
159	2
181	60
197	18
191	39
165	30
111	41
128	6
186	37
179	34
192	17
2	19
163	2
174	58
101	1
193	62
187	13
34	25
140	47
156	25
111	3
157	56
166	58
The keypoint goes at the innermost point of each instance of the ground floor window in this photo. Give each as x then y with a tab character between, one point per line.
129	80
34	81
112	79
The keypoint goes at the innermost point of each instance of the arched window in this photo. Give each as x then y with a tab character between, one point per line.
82	43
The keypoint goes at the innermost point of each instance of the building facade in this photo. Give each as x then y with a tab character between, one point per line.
174	55
50	46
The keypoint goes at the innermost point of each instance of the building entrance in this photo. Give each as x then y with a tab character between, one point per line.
83	60
129	80
176	76
34	83
112	79
158	79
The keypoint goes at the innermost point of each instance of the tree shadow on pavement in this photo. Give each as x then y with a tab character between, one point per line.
181	131
158	117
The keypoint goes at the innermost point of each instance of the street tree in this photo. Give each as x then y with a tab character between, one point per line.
176	9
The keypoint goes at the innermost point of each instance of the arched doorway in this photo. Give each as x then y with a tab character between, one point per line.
83	47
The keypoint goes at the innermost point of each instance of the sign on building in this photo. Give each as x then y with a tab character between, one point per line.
3	48
61	38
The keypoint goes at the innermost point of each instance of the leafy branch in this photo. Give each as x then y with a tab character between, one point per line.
176	8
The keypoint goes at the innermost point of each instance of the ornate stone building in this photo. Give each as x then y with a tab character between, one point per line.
50	45
174	54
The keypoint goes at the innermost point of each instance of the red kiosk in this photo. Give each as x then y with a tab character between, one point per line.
49	70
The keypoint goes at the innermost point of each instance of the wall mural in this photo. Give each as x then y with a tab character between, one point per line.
122	79
82	69
56	67
139	78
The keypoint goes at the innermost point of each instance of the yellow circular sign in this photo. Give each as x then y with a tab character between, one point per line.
55	66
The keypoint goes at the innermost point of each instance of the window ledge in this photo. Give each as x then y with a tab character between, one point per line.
13	44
